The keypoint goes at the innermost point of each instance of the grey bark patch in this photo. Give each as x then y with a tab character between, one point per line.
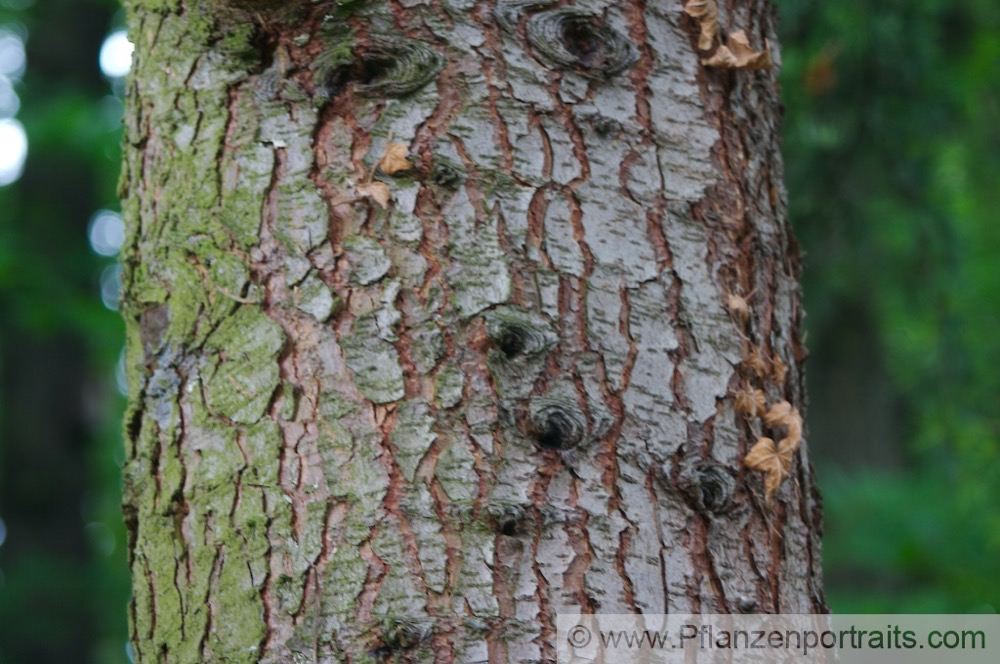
708	366
374	361
448	385
426	346
456	470
301	221
479	274
314	298
565	165
560	241
616	234
246	371
604	322
403	224
525	140
412	435
388	316
526	78
369	262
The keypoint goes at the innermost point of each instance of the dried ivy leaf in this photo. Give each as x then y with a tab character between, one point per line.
738	307
394	160
377	191
787	447
766	456
778	414
738	54
784	414
750	402
723	58
754	361
706	12
778	370
774	461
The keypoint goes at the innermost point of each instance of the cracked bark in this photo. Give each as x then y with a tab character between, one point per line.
355	433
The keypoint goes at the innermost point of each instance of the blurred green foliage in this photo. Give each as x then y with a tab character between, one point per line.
892	151
63	575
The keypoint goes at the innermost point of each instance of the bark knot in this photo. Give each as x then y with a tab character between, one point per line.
569	39
385	66
557	424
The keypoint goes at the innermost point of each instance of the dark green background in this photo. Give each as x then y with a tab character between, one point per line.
892	152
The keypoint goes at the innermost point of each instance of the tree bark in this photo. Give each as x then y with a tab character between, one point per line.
421	431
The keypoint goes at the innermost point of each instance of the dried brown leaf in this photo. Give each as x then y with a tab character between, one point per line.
738	307
754	361
750	402
766	456
786	448
794	430
382	412
762	456
774	461
737	53
722	58
395	159
377	191
706	12
772	482
778	370
784	414
778	414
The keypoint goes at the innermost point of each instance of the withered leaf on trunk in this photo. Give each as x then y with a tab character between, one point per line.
377	191
754	361
737	53
707	14
774	460
778	370
750	402
395	159
784	414
738	307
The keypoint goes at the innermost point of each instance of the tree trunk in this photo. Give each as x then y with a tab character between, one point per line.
422	429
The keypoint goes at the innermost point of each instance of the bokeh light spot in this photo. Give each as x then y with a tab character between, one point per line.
12	58
107	232
116	55
13	150
111	286
9	102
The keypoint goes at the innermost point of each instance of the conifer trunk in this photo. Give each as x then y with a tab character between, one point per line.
421	429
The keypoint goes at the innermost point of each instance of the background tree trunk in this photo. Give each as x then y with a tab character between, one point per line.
427	429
